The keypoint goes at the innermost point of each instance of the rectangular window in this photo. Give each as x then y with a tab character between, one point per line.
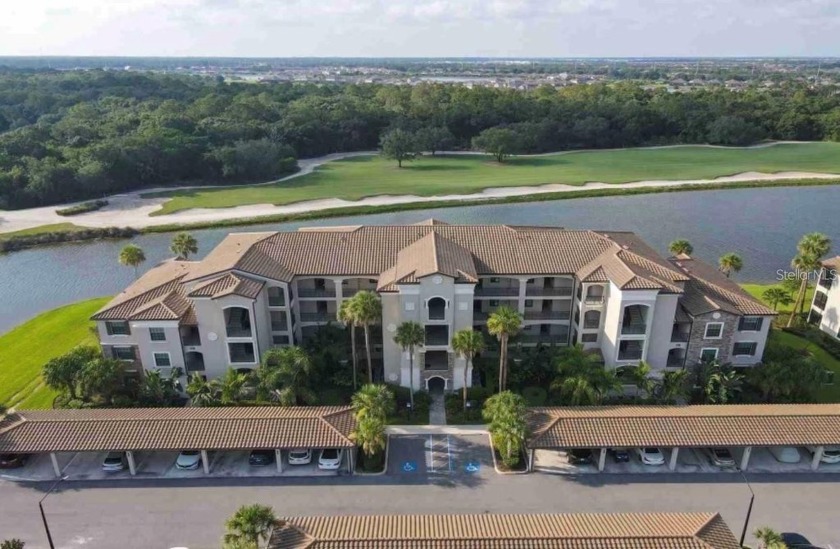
589	338
820	299
117	328
241	353
708	355
162	360
157	334
744	348
750	324
123	353
714	330
529	303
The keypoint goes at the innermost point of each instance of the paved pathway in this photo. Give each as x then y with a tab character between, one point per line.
437	409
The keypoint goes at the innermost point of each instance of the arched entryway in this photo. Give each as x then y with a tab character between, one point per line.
436	384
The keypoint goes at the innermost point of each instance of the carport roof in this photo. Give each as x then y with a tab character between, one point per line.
685	426
235	428
573	531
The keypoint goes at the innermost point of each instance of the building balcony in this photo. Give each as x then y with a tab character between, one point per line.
316	293
630	354
675	362
238	331
316	317
547	315
496	292
565	291
593	300
679	337
437	335
279	327
633	329
559	339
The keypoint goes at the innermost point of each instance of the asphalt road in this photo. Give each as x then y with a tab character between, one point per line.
146	514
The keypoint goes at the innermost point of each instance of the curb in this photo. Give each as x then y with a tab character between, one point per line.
384	469
496	465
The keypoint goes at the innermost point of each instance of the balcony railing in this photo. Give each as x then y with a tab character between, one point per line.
675	362
550	292
506	292
679	337
436	365
242	358
437	339
630	354
316	292
826	281
191	340
594	300
480	315
279	327
543	338
237	331
276	301
587	325
316	317
547	315
633	329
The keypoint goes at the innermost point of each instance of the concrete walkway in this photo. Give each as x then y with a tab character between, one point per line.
437	408
436	429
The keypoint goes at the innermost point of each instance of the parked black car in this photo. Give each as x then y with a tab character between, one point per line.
13	461
261	458
620	455
580	456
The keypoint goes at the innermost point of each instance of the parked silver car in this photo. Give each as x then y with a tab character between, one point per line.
114	461
721	457
651	456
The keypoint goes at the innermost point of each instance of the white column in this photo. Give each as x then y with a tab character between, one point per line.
673	463
56	468
530	460
815	462
602	459
205	462
745	459
131	467
351	467
278	459
523	289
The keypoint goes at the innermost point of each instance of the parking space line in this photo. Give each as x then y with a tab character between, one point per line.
449	453
431	454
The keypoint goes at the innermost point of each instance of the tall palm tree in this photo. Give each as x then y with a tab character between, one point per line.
368	311
132	256
370	435
347	316
183	245
672	387
505	412
810	250
294	371
582	378
231	387
681	246
409	336
249	525
776	296
375	401
730	262
200	392
640	374
467	343
504	323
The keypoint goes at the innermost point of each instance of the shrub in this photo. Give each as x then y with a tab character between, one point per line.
22	242
535	396
82	208
333	397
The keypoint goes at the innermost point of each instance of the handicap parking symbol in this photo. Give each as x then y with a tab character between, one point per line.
409	466
472	467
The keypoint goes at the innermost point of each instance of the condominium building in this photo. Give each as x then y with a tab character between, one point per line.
608	291
825	306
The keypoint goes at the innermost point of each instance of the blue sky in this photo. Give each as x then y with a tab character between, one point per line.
505	28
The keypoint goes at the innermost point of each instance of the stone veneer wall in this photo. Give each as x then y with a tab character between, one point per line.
696	341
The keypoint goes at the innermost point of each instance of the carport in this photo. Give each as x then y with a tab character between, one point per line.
133	430
674	427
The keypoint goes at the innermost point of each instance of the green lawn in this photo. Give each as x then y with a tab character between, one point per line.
56	227
757	289
827	393
25	349
358	177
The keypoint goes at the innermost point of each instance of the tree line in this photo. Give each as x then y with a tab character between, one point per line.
76	135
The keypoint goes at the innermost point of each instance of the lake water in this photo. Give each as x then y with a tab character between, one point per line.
763	225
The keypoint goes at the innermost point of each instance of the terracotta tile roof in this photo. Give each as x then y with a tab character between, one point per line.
177	429
156	284
709	290
573	531
687	426
229	284
171	306
226	255
431	254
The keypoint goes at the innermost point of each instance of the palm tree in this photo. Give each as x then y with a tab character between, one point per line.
370	435
294	370
231	387
132	256
367	310
640	375
505	412
681	246
504	323
672	387
467	343
249	525
373	401
184	245
347	316
200	392
409	336
722	385
769	538
730	262
811	248
582	378
776	296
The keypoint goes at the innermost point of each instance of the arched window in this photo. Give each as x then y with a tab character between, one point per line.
437	308
634	319
237	322
592	319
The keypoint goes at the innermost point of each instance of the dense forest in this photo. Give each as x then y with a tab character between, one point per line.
74	135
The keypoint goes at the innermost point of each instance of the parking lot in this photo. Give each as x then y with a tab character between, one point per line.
161	465
439	456
689	460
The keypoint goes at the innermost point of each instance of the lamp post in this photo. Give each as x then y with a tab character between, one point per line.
749	508
43	515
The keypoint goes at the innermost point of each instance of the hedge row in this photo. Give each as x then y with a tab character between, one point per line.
82	208
28	241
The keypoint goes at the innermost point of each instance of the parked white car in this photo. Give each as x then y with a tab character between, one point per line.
721	457
188	459
330	459
785	454
114	461
651	456
831	454
300	456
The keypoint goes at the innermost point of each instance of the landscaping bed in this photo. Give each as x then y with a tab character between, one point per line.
82	208
371	464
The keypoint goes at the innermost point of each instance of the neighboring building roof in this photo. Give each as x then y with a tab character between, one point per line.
152	288
685	426
431	254
572	531
832	263
221	428
709	290
229	284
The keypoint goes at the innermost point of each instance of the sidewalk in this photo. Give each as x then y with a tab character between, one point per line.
436	429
